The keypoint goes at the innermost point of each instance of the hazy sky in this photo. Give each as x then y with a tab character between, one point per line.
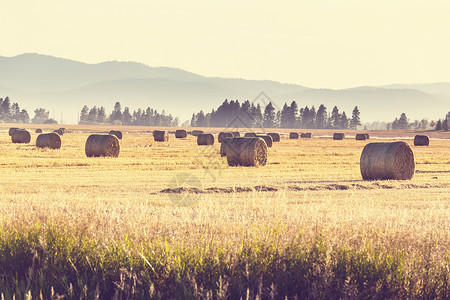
315	43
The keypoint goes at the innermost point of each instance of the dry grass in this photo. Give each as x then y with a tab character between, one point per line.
309	186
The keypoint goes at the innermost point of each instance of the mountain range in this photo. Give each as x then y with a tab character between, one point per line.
64	86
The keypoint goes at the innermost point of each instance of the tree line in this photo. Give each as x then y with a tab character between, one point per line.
404	123
140	117
290	116
11	113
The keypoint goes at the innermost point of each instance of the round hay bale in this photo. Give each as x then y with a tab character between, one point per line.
117	133
275	136
12	129
380	161
160	136
38	130
338	136
180	134
307	135
21	136
367	136
246	152
224	135
250	134
59	131
48	140
236	134
421	140
293	135
63	130
267	139
225	146
360	136
197	132
102	145
205	139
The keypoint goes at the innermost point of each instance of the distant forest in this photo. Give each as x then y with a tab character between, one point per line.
290	116
11	113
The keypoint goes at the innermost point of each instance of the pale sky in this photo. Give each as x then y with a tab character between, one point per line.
315	43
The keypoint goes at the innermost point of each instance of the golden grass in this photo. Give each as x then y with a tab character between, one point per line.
317	188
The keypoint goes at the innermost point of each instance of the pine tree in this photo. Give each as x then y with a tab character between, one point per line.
335	117
321	118
356	120
84	115
92	116
126	116
193	121
439	125
101	115
343	121
116	115
403	122
269	116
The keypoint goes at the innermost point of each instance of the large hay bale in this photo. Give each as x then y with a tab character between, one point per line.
236	134
360	136
59	131
160	136
38	130
421	140
180	134
275	136
117	133
246	152
306	135
293	135
21	136
225	146
205	139
197	132
63	129
267	139
367	136
224	135
338	136
102	145
12	129
48	140
250	134
381	161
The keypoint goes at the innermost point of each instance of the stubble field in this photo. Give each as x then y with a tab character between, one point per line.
173	220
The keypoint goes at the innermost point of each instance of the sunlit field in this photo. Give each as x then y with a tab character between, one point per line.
173	220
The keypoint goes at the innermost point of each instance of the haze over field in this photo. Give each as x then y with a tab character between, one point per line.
342	53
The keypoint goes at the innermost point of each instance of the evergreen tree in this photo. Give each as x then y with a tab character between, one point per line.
201	119
439	125
84	115
293	115
193	121
356	120
284	118
92	116
24	117
321	117
335	117
403	122
343	122
126	116
101	115
116	115
269	116
40	116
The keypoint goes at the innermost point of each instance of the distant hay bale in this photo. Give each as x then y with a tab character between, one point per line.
224	135
197	132
250	134
102	145
38	130
20	136
12	129
293	135
246	152
380	161
367	136
49	140
307	135
236	134
225	146
421	140
160	136
205	139
63	130
360	136
117	133
59	131
180	134
275	136
338	136
267	139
